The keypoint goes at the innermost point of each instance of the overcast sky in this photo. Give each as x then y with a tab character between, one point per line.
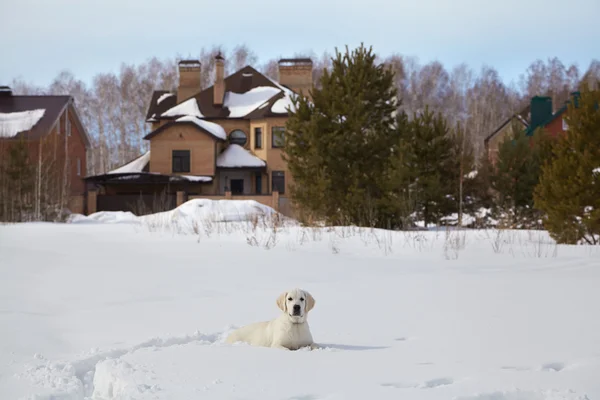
42	37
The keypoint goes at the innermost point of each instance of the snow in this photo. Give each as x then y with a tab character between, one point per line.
13	123
197	178
166	96
134	166
141	310
242	104
188	107
281	105
471	175
212	128
105	217
236	156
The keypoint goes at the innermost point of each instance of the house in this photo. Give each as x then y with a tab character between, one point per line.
538	114
506	129
219	142
56	143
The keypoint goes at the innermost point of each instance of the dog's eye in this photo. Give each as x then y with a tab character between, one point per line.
301	298
290	299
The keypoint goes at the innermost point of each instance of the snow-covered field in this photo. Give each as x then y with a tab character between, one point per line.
140	309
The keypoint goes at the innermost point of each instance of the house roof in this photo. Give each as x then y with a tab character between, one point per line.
159	103
248	95
22	116
137	171
210	128
138	164
520	116
235	156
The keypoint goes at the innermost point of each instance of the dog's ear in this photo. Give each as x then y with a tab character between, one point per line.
281	303
310	301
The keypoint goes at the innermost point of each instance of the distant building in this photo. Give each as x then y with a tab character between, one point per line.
223	141
57	146
538	114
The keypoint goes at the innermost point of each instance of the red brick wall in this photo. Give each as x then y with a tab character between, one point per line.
555	127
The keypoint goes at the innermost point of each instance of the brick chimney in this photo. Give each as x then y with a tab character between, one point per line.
296	74
189	79
541	111
219	87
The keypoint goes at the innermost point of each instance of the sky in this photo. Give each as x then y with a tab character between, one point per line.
43	37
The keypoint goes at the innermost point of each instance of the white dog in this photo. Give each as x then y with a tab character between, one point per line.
289	331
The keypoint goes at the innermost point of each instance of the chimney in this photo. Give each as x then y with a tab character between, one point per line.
5	91
296	74
219	87
189	79
541	111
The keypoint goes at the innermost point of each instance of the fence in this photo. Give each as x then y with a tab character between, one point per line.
139	204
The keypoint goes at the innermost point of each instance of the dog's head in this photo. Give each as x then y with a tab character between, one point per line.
296	303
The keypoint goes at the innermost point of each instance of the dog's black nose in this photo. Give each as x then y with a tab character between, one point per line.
296	309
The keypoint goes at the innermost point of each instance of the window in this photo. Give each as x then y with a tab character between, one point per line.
277	136
237	137
181	161
258	138
258	183
68	126
278	181
78	166
564	125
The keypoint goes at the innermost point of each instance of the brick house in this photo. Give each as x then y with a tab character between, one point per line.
218	142
538	114
57	145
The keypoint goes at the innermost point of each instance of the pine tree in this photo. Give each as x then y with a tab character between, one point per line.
463	172
339	145
569	188
515	177
433	165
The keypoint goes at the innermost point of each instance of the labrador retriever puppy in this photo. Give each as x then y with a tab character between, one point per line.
289	331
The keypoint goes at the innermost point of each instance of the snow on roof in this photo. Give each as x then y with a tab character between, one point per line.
211	127
242	104
188	107
15	122
164	96
281	105
236	156
194	178
134	166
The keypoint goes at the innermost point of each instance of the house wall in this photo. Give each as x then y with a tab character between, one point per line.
273	155
183	137
555	127
226	176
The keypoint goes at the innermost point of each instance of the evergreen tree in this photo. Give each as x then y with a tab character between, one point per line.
463	172
339	145
433	164
569	188
515	177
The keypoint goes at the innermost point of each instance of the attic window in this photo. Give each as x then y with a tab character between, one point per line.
238	137
247	75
